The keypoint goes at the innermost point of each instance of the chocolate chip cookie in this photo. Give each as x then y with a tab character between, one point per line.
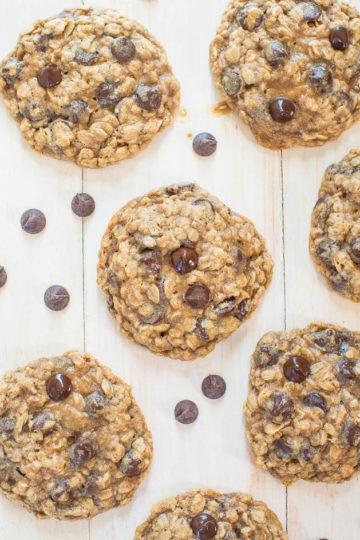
89	86
303	407
73	441
181	271
335	227
290	69
207	514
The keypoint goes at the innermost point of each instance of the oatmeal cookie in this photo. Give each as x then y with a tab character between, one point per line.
303	408
181	271
89	86
290	69
207	514
335	227
73	441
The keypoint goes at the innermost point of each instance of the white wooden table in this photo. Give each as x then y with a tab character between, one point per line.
277	190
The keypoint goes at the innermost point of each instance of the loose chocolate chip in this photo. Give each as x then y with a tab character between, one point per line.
240	259
355	252
56	298
344	370
242	310
231	82
276	53
266	355
321	78
204	526
10	70
339	38
184	260
42	421
281	407
250	17
351	434
108	94
186	412
77	112
7	425
213	386
123	49
82	452
225	307
152	259
83	205
58	387
156	316
3	276
282	109
95	402
311	11
204	144
33	221
148	98
315	399
85	58
130	466
197	296
200	329
296	369
49	76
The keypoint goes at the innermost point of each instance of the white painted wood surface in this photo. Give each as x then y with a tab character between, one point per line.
277	191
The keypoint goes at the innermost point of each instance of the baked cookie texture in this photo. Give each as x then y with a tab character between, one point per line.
73	441
207	514
89	86
303	408
335	227
289	69
181	271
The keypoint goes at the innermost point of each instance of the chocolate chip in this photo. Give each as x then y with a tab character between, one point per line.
204	144
231	82
324	251
130	466
148	98
351	434
95	402
42	421
204	526
225	307
77	112
49	76
344	370
296	369
58	387
266	355
152	259
85	58
33	221
10	70
276	53
7	425
186	412
213	386
315	399
311	11
250	17
156	315
108	94
184	260
327	340
61	490
200	329
123	49
283	448
308	451
242	310
83	205
37	113
281	407
42	42
179	188
355	252
240	259
56	298
82	452
197	296
3	276
321	78
339	38
282	109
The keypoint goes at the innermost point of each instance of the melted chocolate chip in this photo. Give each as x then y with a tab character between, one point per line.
10	70
225	307
58	387
156	315
315	399
130	466
204	526
108	94
3	276
186	412
85	58
197	296
61	491
296	369
266	355
321	78
83	205
351	434
152	259
276	53
213	386
42	421
327	340
95	402
49	76
250	17
7	425
344	370
37	113
281	407
339	38
282	109
311	11
308	451
184	260
200	329
148	98
33	221
42	42
283	448
231	82
82	452
242	310
123	49
56	298
77	112
240	259
204	144
355	252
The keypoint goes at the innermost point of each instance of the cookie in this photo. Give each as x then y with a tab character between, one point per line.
181	271
89	86
303	408
290	69
207	514
335	227
73	441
